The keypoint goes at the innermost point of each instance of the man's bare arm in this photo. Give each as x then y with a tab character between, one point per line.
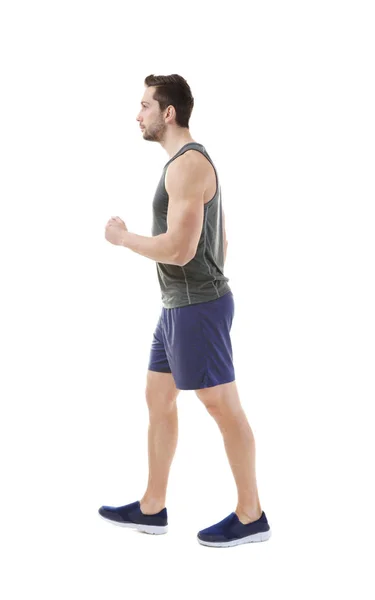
184	183
184	218
160	248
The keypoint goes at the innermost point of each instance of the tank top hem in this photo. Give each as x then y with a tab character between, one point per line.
169	303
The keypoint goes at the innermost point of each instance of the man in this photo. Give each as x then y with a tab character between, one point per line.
191	348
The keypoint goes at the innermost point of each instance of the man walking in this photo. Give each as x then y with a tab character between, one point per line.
191	347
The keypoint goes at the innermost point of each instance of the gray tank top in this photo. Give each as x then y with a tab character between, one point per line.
202	279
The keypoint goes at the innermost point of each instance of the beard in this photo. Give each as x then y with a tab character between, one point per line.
155	132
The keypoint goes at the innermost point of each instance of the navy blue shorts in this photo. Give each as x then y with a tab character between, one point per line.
193	343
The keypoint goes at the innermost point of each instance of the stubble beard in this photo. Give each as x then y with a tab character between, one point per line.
155	133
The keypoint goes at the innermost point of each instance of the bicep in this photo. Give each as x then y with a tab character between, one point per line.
185	209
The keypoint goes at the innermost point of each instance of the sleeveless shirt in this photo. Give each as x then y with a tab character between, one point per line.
202	278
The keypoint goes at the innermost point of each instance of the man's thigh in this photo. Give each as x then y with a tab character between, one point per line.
161	390
221	398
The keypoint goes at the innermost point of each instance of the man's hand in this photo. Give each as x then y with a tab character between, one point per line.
114	231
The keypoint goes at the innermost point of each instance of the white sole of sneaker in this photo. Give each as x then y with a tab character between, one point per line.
256	537
152	529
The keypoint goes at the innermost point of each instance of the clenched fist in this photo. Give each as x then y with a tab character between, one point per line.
114	231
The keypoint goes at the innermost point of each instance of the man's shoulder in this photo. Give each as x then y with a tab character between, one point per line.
192	162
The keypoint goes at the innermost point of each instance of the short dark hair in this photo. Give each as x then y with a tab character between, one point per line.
173	89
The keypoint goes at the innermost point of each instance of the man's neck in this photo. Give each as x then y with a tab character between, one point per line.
173	145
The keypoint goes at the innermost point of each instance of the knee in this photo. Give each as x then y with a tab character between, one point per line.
212	401
161	392
160	402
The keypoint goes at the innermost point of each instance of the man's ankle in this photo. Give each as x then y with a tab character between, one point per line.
249	514
152	507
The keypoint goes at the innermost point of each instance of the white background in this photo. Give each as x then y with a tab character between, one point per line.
284	104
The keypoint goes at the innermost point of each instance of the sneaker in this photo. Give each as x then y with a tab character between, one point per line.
231	532
131	516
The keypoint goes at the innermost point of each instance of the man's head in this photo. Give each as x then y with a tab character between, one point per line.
167	102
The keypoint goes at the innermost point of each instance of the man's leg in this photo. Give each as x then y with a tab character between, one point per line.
223	403
161	396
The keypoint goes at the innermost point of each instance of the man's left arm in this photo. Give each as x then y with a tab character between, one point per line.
159	248
185	187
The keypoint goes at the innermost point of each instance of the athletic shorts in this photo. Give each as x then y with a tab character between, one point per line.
193	343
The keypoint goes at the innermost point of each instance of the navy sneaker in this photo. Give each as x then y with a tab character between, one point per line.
231	532
131	516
